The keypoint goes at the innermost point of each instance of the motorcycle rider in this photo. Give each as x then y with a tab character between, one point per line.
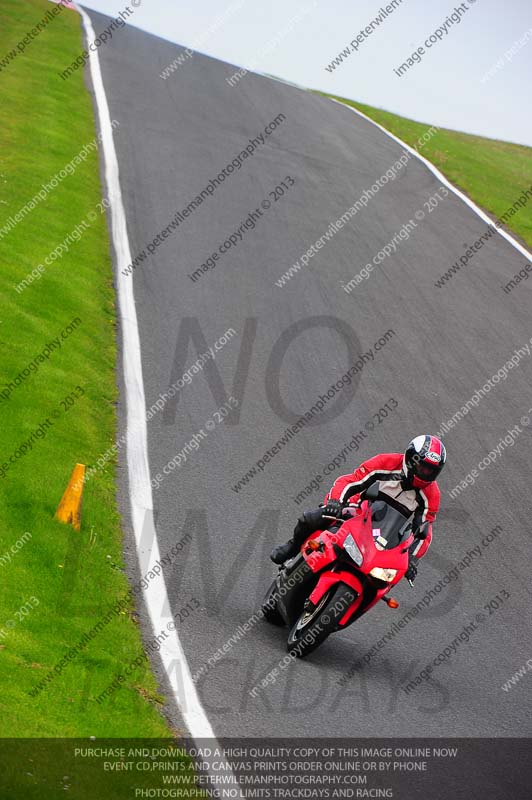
408	479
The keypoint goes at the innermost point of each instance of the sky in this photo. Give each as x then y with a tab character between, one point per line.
448	83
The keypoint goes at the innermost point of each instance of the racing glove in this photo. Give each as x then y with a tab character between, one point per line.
332	509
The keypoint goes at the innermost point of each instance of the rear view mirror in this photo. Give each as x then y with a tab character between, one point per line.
372	493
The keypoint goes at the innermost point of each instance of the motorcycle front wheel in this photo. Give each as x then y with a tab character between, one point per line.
316	624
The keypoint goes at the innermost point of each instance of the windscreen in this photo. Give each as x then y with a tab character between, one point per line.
388	524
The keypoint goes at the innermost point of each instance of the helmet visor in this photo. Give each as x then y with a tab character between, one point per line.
425	471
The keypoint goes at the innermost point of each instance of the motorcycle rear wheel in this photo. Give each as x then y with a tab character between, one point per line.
269	607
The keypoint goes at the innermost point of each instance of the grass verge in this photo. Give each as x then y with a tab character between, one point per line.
493	174
57	400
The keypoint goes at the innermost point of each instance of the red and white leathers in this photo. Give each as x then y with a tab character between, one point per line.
386	468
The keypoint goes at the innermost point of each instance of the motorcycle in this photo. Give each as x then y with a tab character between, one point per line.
341	572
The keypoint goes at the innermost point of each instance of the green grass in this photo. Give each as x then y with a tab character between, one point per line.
493	174
75	577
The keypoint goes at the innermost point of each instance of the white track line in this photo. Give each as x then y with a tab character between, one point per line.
443	179
155	596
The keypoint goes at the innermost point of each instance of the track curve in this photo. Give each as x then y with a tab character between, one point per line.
291	344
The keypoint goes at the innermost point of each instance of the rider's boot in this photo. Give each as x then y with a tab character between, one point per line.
283	552
307	523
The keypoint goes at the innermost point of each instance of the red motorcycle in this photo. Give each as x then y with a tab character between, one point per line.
341	572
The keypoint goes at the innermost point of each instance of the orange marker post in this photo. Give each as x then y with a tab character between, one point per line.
69	509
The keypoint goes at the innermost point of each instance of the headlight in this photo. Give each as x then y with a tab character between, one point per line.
383	574
351	547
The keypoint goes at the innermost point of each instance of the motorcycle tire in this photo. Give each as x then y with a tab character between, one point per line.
314	626
269	607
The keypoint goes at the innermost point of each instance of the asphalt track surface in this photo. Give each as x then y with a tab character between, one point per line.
174	136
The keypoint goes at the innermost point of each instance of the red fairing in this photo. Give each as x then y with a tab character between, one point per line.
387	469
329	579
323	560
